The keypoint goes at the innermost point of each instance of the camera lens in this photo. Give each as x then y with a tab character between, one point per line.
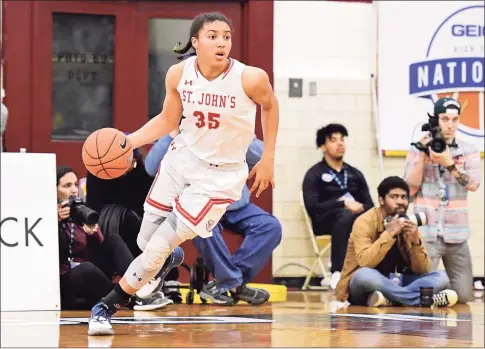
438	145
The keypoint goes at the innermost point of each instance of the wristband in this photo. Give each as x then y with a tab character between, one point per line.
451	167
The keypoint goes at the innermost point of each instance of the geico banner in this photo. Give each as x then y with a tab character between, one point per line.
29	233
428	50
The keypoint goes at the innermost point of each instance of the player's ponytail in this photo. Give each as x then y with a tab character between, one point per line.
197	24
182	51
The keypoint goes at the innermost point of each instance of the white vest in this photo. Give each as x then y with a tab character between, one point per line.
218	117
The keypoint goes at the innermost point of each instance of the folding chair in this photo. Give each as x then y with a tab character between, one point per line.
321	245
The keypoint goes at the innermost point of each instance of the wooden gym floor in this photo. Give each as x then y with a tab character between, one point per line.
302	321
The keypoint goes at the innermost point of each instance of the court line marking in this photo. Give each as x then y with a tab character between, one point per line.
182	320
400	317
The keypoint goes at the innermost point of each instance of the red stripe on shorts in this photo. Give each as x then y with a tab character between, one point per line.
196	220
154	203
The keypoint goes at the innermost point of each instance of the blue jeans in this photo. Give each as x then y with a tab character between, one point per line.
262	233
367	280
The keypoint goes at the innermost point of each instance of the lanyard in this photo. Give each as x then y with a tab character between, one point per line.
444	190
71	241
342	186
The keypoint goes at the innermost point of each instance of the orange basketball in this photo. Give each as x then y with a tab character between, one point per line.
107	153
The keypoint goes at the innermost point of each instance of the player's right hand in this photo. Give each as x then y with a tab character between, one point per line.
63	212
263	173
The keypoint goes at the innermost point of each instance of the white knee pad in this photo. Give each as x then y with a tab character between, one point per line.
156	252
162	242
141	242
149	225
182	231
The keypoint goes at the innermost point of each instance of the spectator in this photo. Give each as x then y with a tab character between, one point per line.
440	183
335	194
89	261
261	231
121	198
120	203
387	263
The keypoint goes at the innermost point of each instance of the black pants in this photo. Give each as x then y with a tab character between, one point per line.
83	286
112	256
339	224
87	283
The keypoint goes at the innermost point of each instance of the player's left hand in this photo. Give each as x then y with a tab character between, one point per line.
263	173
444	159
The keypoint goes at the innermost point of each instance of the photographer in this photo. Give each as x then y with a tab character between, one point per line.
88	263
439	180
386	262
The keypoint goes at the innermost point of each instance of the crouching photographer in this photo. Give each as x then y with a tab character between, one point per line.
89	262
440	170
386	262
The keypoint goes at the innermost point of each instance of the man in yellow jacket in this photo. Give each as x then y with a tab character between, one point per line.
386	262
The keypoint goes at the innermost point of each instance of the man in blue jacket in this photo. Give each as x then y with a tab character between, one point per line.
261	231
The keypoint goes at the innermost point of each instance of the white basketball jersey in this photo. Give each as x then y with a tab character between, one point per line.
218	117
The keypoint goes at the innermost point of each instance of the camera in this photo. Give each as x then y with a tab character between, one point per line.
80	213
418	218
437	143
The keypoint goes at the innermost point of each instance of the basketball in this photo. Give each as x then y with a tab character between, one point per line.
107	153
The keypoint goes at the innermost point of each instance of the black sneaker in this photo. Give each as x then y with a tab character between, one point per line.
250	295
156	301
210	291
171	289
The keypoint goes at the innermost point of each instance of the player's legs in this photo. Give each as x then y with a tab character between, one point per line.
149	297
170	234
168	183
158	237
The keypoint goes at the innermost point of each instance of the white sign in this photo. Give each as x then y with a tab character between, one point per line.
29	233
428	50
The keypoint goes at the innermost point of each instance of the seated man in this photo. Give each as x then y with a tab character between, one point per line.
261	231
388	263
335	194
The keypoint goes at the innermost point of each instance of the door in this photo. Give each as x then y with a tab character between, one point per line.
81	54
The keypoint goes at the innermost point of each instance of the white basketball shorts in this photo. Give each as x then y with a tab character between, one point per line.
198	192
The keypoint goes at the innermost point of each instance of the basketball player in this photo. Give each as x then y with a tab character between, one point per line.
204	170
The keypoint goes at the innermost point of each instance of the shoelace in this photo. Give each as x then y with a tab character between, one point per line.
213	289
440	299
100	315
